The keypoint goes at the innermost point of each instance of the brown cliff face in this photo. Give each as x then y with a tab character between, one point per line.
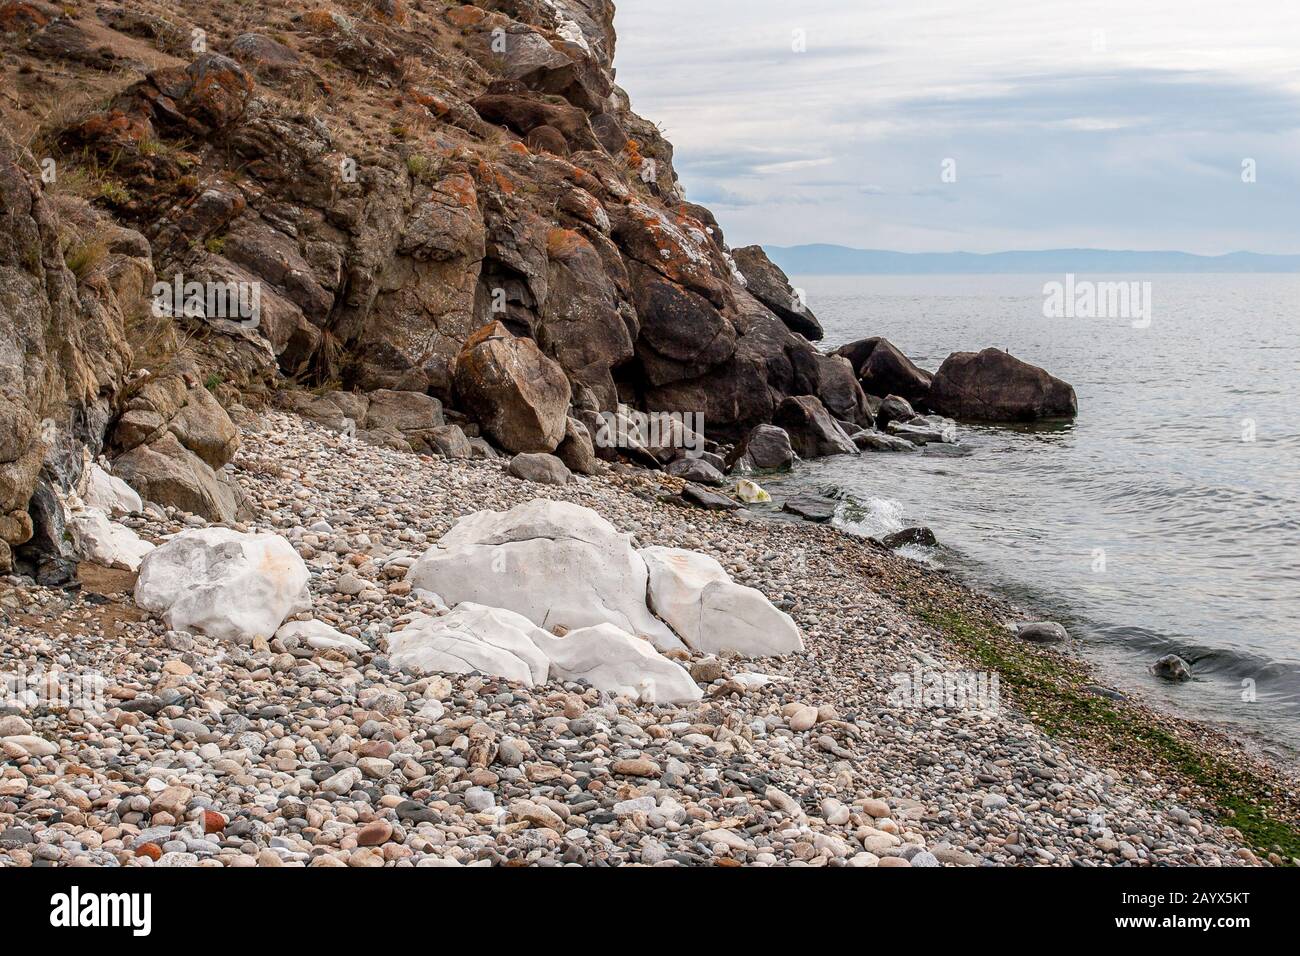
66	284
392	175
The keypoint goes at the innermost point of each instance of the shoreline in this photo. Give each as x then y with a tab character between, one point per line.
1114	660
1033	781
1216	758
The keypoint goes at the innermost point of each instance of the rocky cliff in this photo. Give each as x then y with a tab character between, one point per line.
390	176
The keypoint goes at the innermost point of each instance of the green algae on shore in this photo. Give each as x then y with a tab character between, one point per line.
1051	689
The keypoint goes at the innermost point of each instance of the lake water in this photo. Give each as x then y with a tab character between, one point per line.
1165	519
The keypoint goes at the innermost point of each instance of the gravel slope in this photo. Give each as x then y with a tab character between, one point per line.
271	755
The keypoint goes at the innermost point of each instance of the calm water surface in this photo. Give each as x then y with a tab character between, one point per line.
1165	519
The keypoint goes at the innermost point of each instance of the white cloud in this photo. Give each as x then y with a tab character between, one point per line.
1108	123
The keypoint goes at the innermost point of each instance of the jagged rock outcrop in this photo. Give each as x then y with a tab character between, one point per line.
495	174
64	284
172	439
767	283
884	370
813	432
520	397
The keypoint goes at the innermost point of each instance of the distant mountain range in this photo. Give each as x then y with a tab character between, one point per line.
841	260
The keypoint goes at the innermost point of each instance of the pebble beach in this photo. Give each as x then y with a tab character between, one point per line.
275	753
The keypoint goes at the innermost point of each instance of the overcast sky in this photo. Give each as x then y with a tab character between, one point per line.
1119	124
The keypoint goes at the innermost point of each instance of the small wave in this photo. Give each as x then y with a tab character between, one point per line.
871	517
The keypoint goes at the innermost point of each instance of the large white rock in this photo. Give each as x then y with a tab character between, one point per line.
223	583
712	613
322	637
108	493
100	541
616	662
551	561
507	645
472	638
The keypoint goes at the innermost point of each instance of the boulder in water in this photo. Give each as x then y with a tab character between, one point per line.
1171	667
765	448
813	432
1043	632
995	386
916	537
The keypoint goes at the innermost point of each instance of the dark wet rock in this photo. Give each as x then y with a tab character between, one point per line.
995	386
894	408
708	500
918	537
840	392
1043	632
919	433
870	440
696	470
813	432
1171	667
811	508
887	371
857	352
767	283
765	448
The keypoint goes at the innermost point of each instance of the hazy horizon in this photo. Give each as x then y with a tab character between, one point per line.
1057	126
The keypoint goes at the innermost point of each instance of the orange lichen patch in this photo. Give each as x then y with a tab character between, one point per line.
321	21
459	188
113	130
433	104
391	11
221	83
580	177
491	174
18	17
519	148
565	244
632	150
466	16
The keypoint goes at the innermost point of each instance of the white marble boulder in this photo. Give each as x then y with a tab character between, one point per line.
712	613
225	584
471	638
322	637
109	493
618	663
501	643
100	541
553	562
